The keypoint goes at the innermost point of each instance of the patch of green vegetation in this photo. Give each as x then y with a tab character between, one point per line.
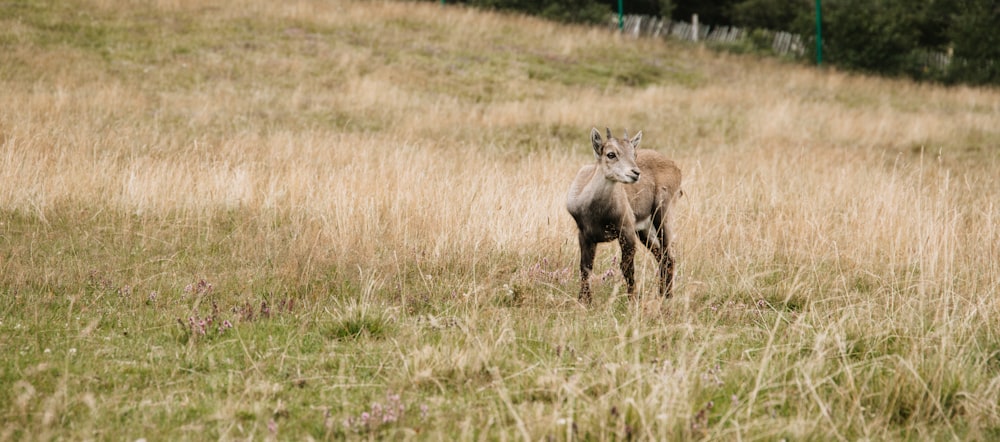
623	70
86	29
360	324
855	99
789	302
514	142
336	119
868	346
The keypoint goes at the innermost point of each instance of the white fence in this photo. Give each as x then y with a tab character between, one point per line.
782	43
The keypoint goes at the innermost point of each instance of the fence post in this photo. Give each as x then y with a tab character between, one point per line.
694	27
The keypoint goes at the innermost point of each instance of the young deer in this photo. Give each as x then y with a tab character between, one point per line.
626	196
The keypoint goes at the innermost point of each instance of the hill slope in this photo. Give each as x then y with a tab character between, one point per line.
250	219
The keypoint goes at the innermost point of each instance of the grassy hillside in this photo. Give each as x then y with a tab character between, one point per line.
325	219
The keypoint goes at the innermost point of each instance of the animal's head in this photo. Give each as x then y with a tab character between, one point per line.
615	157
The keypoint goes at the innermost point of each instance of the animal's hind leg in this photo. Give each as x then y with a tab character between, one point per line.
659	245
656	239
666	262
643	236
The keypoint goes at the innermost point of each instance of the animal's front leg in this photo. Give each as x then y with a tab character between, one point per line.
587	251
627	243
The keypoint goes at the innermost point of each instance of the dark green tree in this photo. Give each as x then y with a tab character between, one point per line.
641	7
877	36
975	34
776	15
568	11
667	8
935	19
710	12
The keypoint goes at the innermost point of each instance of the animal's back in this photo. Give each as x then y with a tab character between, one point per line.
664	171
658	183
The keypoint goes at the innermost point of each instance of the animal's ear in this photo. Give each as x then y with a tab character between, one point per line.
595	140
635	140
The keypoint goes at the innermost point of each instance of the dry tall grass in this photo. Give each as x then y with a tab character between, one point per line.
839	254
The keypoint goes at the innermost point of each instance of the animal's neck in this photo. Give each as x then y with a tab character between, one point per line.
600	191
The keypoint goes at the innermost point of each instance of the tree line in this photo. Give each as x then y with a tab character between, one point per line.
887	37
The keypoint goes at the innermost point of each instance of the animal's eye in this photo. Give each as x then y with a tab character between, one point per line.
611	155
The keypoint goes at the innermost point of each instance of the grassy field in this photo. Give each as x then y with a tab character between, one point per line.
332	219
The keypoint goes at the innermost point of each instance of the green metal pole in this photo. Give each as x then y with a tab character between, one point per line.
621	16
819	33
